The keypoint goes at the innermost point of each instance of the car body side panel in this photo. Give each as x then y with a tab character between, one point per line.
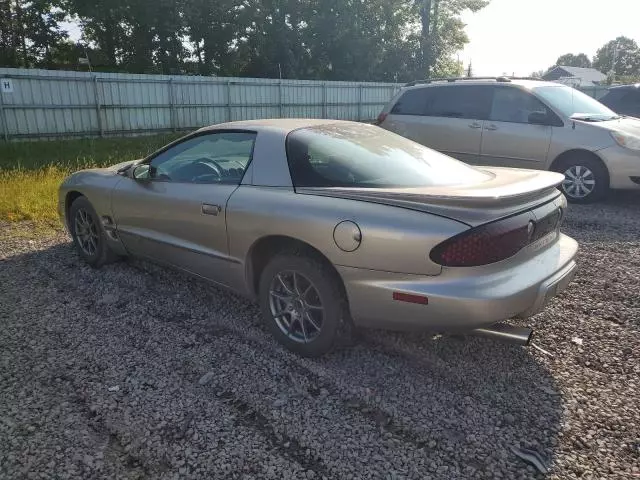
457	137
622	164
518	145
393	239
181	223
97	185
583	137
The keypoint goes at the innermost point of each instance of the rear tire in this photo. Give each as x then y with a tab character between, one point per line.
302	304
586	178
88	234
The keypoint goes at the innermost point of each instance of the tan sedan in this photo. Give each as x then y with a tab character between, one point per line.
329	224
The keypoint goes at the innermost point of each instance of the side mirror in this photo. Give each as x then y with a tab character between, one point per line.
539	118
141	173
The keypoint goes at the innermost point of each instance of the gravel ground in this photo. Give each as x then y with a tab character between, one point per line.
134	371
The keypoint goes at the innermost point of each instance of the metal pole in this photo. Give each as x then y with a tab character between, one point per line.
97	98
228	100
324	99
3	119
280	107
359	102
172	111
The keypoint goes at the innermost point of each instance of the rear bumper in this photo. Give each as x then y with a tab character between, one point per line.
462	298
623	164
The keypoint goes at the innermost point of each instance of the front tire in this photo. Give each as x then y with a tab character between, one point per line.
88	234
586	178
302	304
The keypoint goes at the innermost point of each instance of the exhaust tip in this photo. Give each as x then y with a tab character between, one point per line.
506	333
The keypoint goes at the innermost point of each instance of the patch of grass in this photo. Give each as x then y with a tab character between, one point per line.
31	172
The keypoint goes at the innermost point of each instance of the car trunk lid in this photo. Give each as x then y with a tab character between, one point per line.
507	192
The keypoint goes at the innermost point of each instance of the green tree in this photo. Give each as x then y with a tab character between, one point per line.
571	60
28	31
621	55
102	24
442	31
213	28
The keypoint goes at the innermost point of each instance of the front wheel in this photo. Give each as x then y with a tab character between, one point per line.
586	179
88	234
302	304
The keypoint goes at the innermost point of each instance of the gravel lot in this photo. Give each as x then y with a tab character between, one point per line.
135	371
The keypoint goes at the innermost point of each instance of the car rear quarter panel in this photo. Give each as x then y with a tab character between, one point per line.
393	239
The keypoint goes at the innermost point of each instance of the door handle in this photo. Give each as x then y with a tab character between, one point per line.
475	125
492	127
209	209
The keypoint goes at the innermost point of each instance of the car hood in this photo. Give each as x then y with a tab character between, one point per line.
507	192
628	125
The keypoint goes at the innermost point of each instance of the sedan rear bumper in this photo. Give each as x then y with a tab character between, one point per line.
462	298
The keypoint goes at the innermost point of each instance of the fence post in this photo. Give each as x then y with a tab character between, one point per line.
3	119
172	110
98	108
228	100
324	99
359	102
280	106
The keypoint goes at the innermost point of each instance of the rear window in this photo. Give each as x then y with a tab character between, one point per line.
412	102
364	156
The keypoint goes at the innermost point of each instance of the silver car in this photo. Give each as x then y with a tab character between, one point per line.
330	224
525	124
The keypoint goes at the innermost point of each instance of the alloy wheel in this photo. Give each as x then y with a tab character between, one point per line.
86	231
579	181
296	306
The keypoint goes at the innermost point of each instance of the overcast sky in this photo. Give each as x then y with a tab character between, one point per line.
523	36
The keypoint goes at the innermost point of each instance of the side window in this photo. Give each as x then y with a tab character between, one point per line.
412	102
514	105
460	101
219	157
632	98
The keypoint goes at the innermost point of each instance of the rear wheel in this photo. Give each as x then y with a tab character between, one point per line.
302	304
586	178
88	235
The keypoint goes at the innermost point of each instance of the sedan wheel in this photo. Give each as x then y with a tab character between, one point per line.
302	303
88	235
86	231
296	306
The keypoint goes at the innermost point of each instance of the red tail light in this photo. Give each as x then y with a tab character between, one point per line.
493	242
381	118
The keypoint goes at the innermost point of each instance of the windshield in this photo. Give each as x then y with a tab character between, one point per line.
572	102
364	156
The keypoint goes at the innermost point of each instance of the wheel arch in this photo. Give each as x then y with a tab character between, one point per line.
575	152
69	198
268	246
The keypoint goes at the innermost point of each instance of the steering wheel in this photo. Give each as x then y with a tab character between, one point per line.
212	165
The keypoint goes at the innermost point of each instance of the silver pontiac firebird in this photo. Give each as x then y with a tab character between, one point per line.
332	224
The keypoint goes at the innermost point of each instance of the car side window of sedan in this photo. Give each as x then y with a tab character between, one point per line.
515	106
213	158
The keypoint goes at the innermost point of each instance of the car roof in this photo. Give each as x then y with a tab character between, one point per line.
526	83
625	87
282	125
